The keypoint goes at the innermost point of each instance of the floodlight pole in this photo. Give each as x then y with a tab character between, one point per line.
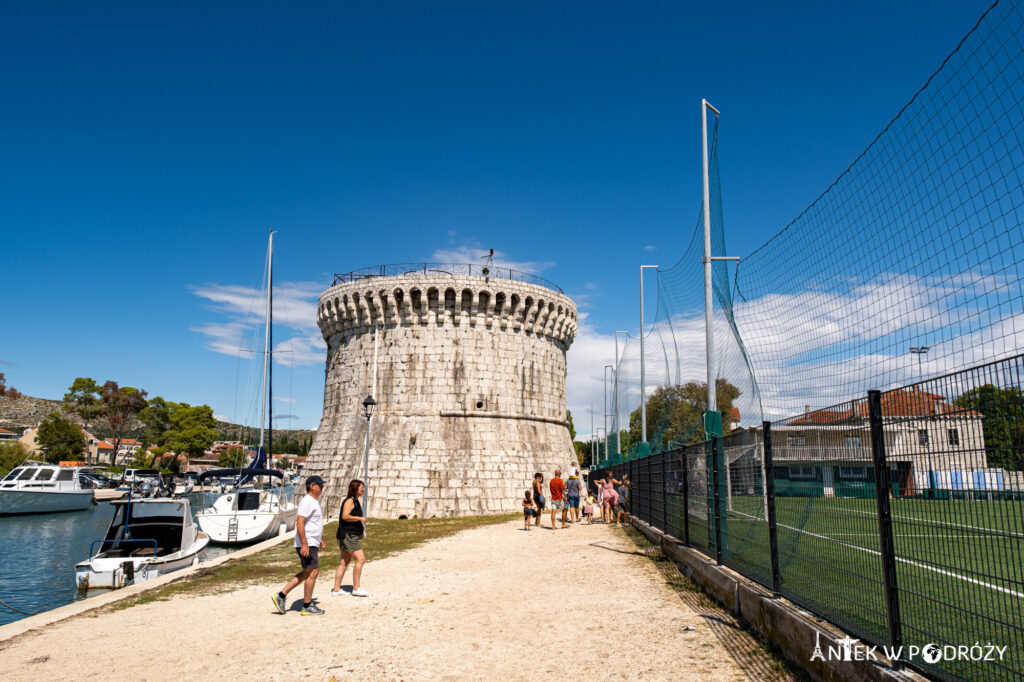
618	427
709	339
919	351
643	370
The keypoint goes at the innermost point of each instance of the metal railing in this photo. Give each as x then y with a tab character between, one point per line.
917	549
489	272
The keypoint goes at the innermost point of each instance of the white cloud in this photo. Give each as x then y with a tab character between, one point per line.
471	253
221	418
650	248
282	399
240	335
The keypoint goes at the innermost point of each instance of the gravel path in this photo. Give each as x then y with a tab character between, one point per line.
494	602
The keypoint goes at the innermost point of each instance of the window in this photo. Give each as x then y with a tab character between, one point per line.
956	480
853	473
13	475
803	472
65	474
27	474
922	437
851	441
953	436
796	440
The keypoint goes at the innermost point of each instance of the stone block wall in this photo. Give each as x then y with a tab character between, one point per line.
470	392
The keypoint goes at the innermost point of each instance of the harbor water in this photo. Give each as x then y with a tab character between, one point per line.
38	553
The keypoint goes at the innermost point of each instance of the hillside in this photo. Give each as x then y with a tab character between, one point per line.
28	411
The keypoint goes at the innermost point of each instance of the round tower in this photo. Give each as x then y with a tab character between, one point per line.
467	366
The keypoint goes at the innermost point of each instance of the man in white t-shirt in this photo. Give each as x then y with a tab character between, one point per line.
309	540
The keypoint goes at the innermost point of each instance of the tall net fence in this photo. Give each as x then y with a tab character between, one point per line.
897	516
916	245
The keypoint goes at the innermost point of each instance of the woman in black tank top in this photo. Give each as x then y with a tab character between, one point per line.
351	530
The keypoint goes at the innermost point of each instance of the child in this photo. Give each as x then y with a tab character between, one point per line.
588	508
528	511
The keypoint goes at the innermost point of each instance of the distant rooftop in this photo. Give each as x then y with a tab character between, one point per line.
452	269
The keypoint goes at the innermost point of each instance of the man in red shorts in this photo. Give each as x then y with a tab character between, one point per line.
557	487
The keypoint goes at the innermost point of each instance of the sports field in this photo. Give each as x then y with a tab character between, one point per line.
959	567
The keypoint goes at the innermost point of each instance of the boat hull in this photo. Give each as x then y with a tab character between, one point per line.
252	526
100	572
14	502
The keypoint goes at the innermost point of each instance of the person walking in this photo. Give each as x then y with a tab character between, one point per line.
557	488
351	531
609	498
623	504
538	495
309	540
572	495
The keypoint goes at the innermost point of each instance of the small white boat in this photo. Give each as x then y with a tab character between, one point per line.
248	515
146	539
183	487
35	488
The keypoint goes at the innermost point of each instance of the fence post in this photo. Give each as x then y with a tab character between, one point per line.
718	509
664	493
892	600
686	497
769	488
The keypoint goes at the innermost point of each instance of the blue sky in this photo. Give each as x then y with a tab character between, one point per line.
148	149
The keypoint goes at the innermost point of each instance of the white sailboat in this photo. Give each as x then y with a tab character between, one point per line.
242	516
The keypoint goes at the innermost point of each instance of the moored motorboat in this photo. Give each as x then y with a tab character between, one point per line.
147	538
35	488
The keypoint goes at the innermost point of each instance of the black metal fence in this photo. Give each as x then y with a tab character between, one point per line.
899	517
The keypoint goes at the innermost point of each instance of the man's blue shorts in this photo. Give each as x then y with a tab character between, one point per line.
574	501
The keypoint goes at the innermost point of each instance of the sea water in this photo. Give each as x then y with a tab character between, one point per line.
38	553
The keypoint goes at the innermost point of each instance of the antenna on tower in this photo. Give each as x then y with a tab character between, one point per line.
489	257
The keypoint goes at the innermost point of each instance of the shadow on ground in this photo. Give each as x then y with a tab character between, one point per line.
750	651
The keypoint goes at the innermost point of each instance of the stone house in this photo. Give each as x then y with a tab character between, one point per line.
930	444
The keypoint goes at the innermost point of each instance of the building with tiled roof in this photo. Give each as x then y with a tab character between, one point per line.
930	444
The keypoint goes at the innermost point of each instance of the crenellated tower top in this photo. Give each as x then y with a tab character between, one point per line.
441	295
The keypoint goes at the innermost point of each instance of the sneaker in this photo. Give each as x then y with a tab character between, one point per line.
312	610
339	593
279	602
360	593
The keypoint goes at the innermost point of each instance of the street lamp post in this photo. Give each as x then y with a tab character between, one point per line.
606	368
368	404
919	351
615	401
643	375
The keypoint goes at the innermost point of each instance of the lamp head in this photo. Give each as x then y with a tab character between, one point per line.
368	404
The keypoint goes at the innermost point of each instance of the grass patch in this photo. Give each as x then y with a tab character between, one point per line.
385	537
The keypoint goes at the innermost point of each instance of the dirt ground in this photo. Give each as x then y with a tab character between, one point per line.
493	602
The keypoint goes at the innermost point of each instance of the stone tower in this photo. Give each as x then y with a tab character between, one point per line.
470	388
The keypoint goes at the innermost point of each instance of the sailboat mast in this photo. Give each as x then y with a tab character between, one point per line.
266	337
270	356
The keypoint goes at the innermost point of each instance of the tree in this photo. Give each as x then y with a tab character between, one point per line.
1002	423
572	427
60	439
83	399
156	416
11	455
232	458
675	413
6	391
193	429
120	407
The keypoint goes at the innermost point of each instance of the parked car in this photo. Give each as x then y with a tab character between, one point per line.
93	480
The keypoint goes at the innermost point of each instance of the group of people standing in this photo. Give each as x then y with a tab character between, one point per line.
609	494
309	540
